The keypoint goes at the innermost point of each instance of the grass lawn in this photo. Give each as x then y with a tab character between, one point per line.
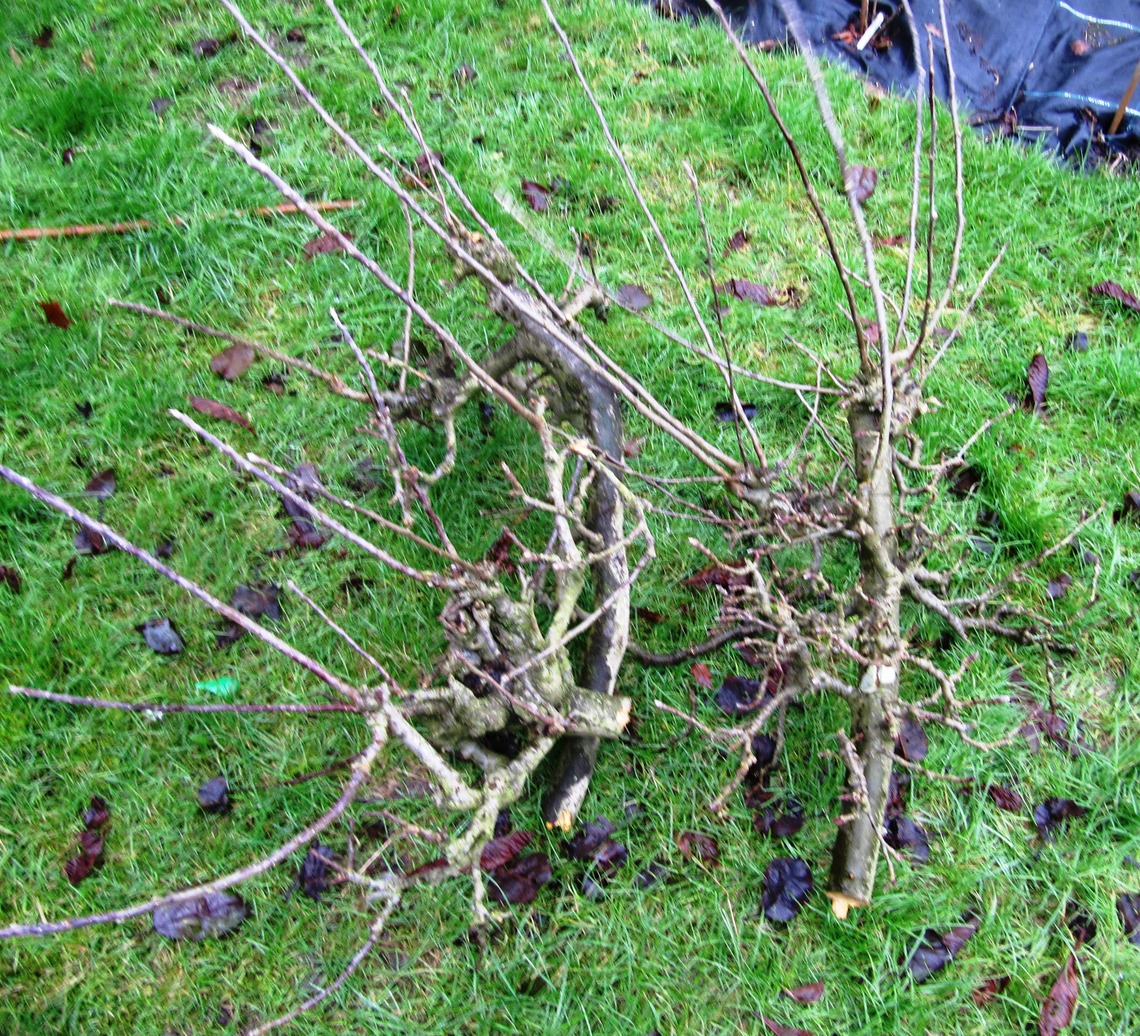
690	955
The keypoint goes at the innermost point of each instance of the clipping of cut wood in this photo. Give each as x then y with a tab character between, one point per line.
841	904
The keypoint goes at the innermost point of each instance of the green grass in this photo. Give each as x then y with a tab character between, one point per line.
692	956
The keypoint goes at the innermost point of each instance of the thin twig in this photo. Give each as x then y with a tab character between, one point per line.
89	229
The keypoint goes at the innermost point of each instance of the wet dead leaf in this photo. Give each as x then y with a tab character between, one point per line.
233	362
216	914
54	315
1057	1010
218	411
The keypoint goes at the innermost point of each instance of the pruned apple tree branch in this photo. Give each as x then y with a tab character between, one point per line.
537	645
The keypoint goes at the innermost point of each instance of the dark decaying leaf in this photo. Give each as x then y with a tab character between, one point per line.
206	48
214	795
233	362
218	411
634	297
503	849
1037	379
725	576
965	480
936	951
725	411
305	481
702	674
737	243
90	856
912	743
1080	923
1114	291
90	541
54	315
102	485
216	913
1053	813
809	994
426	161
695	845
758	294
537	195
302	534
1005	798
1128	907
1057	1010
10	578
1059	586
499	553
313	877
739	695
161	636
903	833
324	243
587	841
43	39
862	180
519	881
651	875
779	819
1129	508
989	990
787	884
96	814
256	601
784	1030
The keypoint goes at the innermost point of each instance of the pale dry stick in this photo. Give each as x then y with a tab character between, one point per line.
302	838
635	393
341	632
333	382
953	336
342	687
615	149
456	188
365	512
730	381
959	176
1118	116
916	174
402	471
931	207
375	931
745	734
841	387
156	707
507	204
831	124
397	462
402	384
805	177
445	337
1016	575
35	233
432	579
935	775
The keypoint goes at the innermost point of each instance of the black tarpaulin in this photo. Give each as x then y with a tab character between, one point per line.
1043	70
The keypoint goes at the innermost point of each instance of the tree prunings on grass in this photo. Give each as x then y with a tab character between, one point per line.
510	662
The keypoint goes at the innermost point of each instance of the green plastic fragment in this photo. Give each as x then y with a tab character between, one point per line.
223	687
